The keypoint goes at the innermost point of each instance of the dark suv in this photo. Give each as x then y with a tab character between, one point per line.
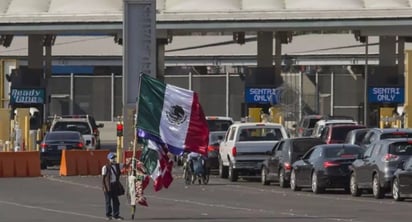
376	134
278	165
375	168
306	125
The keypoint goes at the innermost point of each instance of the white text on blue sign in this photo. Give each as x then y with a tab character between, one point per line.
262	94
386	94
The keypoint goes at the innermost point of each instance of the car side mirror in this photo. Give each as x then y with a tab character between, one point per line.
100	125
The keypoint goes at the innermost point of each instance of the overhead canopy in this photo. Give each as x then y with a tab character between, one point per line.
105	16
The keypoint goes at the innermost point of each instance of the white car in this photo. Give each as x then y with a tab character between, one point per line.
246	146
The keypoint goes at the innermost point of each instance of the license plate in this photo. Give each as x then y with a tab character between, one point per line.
61	147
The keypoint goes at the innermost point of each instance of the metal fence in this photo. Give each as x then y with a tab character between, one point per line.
219	94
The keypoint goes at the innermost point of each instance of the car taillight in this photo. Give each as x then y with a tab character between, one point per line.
287	166
234	151
327	164
96	132
212	148
43	147
390	157
80	145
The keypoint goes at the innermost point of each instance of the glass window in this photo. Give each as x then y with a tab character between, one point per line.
368	152
342	152
218	125
260	134
81	127
315	154
232	133
401	149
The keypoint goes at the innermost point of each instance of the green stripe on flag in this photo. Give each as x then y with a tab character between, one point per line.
150	105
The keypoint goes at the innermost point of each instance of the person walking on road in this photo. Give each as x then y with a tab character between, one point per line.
111	174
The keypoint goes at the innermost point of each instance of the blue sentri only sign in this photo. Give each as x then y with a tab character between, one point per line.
27	96
261	95
386	95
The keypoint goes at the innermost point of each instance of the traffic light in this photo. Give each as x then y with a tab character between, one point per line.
119	129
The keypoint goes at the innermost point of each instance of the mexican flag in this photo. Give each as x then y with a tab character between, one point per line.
157	164
171	115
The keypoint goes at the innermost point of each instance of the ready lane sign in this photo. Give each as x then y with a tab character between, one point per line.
27	96
386	95
262	95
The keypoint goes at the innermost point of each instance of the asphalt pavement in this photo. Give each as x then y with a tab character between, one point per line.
53	198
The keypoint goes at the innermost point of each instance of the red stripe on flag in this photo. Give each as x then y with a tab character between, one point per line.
197	137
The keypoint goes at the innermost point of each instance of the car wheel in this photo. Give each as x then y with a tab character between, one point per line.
43	165
223	171
396	194
354	189
282	182
264	176
293	185
315	184
376	187
232	173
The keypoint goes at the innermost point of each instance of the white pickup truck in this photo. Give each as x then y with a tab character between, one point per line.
246	146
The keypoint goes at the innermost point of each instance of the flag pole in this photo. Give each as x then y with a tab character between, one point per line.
135	124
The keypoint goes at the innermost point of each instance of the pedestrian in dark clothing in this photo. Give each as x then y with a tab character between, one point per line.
111	174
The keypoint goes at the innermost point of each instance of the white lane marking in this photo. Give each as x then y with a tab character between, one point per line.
49	210
221	205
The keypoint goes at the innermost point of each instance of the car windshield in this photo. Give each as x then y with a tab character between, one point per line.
342	152
401	149
312	123
218	125
339	133
63	136
214	137
396	135
81	127
260	134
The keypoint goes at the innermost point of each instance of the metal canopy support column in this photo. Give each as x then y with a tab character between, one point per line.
387	50
35	58
264	49
139	55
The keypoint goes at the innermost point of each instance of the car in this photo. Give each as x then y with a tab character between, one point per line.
306	125
321	124
278	165
356	136
402	181
245	146
218	123
336	133
375	134
324	166
95	126
81	125
54	142
215	138
374	170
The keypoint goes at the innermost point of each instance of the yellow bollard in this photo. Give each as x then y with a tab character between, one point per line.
27	142
38	138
